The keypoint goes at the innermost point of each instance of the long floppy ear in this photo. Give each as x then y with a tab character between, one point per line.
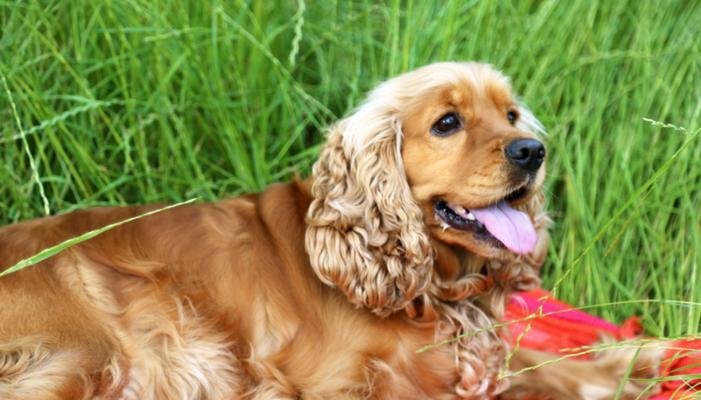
365	232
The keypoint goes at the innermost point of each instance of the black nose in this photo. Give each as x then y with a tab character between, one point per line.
526	153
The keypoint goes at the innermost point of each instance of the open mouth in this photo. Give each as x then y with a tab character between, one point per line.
497	224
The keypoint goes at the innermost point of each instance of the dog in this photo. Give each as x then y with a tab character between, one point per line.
380	276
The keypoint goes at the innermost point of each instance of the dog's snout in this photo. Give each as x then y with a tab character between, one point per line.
526	153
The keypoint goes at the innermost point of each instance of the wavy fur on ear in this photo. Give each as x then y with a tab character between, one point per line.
365	232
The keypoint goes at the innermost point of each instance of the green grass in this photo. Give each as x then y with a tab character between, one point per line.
139	101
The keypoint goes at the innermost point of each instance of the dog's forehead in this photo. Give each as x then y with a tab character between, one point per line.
466	94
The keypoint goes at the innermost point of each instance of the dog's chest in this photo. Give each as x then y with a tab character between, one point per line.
350	354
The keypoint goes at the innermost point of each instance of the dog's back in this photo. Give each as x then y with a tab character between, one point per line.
152	308
81	322
201	301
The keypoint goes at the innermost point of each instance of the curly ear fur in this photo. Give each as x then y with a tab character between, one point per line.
365	233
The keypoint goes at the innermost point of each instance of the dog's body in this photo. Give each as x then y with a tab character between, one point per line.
202	301
317	289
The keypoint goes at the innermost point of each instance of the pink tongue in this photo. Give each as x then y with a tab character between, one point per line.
513	228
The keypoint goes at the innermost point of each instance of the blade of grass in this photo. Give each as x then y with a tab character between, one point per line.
53	250
32	163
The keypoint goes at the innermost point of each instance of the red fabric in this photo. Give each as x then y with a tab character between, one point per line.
548	324
683	359
557	327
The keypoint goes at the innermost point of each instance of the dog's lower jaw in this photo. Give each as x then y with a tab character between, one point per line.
488	248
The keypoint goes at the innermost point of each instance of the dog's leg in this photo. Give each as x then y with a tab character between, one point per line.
545	376
51	346
31	368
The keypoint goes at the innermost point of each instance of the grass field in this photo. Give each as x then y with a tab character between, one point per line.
122	102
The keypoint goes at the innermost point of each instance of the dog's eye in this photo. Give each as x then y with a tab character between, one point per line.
447	124
512	116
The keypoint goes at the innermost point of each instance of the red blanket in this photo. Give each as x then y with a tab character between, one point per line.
540	322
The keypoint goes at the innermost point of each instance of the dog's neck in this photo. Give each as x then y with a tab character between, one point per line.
453	262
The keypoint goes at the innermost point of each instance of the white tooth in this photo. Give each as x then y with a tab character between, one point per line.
442	223
470	217
459	210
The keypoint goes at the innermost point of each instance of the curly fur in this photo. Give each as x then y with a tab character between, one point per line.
365	233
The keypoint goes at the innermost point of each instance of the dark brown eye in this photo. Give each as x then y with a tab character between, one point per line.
512	116
447	124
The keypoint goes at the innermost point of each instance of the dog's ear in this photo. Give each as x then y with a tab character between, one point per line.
528	122
365	232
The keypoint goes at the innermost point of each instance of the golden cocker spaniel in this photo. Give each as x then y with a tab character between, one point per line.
423	211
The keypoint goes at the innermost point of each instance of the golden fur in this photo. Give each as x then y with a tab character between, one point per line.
318	289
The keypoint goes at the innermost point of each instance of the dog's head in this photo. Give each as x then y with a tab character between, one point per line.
445	151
